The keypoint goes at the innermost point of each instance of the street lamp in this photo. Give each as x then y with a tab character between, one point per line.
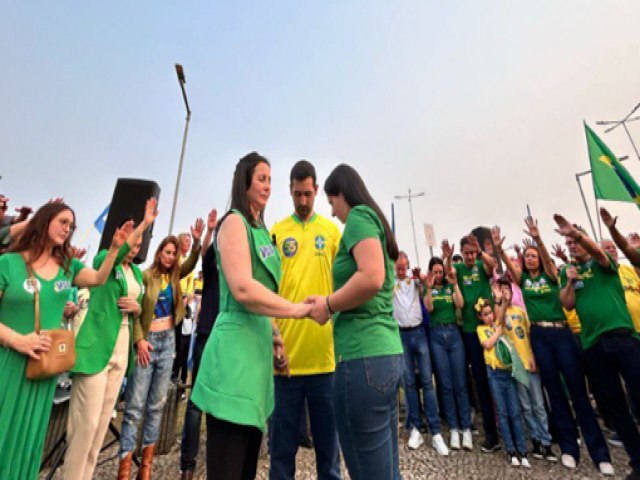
181	81
616	123
413	226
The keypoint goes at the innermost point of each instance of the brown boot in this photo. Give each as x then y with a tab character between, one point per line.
144	472
124	469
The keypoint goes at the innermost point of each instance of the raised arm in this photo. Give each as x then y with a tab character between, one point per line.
498	241
212	221
566	229
192	260
547	263
568	292
447	254
488	262
428	297
621	242
452	278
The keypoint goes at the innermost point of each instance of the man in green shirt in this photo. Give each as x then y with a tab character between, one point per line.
473	279
612	348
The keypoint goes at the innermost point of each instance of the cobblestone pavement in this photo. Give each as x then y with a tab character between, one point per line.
423	463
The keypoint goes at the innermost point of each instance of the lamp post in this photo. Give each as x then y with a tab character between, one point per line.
409	197
616	123
181	81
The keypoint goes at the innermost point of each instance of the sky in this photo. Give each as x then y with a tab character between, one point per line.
479	105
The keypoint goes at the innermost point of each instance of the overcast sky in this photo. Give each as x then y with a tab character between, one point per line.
478	104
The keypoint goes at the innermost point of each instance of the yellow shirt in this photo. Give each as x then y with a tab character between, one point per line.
484	333
631	285
186	284
573	321
307	251
197	285
517	329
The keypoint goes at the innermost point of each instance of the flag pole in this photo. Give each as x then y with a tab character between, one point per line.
598	219
586	207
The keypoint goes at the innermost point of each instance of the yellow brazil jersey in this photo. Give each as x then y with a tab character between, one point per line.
517	330
186	284
490	359
631	285
307	251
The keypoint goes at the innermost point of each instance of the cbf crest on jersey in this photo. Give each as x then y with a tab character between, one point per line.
289	247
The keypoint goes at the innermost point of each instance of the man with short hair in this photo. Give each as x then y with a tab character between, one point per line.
407	311
308	244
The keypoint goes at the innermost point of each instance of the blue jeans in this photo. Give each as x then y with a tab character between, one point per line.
365	395
612	356
284	429
505	396
533	411
449	360
192	415
416	352
147	392
557	352
475	356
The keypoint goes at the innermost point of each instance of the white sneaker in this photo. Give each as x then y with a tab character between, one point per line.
525	462
568	461
454	441
513	459
415	439
606	469
438	443
467	440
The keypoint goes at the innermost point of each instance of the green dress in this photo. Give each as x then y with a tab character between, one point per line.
25	405
235	380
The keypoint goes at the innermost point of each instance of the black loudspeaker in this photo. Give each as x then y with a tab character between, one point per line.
129	199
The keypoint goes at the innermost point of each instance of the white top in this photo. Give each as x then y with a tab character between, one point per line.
133	289
406	303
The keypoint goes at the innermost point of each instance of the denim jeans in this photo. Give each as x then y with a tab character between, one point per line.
449	361
416	353
505	396
557	353
365	394
284	428
192	415
612	356
533	411
147	392
475	356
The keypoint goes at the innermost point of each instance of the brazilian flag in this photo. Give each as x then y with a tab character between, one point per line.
611	181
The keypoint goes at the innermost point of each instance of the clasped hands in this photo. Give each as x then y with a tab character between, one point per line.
319	310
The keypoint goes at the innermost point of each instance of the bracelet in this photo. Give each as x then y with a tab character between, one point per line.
329	305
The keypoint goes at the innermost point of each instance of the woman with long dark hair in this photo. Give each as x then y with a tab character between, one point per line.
369	356
25	405
154	336
235	383
555	350
441	299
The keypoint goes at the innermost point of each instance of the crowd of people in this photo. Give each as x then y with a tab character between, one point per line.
303	324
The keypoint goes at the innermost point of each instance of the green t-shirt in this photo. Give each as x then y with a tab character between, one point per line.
16	305
474	283
600	302
369	329
542	298
444	310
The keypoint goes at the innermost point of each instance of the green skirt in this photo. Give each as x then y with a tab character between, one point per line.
235	379
25	407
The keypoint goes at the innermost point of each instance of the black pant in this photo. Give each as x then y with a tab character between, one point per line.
232	450
615	355
180	364
192	415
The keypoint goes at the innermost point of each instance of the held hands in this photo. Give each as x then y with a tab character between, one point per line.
121	235
319	311
144	357
31	344
197	229
128	305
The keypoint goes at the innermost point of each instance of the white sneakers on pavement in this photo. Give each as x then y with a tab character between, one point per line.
454	440
438	443
415	439
467	440
606	469
568	461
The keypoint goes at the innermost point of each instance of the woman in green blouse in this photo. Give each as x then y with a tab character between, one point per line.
369	361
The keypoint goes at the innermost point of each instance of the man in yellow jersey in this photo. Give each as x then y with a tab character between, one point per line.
184	329
308	244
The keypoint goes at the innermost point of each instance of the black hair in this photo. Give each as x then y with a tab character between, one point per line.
242	177
505	281
346	181
435	261
301	171
457	258
464	241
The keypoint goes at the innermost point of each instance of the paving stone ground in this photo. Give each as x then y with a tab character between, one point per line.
423	463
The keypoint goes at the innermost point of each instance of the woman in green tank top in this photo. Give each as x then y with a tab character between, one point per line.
234	386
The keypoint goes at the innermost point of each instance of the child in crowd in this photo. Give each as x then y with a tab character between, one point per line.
503	386
516	328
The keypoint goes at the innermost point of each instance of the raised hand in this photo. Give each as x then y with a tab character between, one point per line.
558	252
488	246
634	240
447	249
527	242
197	229
498	239
121	234
150	211
532	228
452	277
607	219
212	219
78	252
429	280
564	227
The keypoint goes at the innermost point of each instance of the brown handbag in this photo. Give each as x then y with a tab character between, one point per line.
61	357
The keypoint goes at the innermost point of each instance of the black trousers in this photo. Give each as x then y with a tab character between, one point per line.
232	450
